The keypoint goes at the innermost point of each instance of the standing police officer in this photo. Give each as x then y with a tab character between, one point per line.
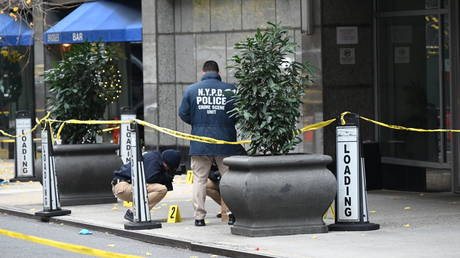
205	107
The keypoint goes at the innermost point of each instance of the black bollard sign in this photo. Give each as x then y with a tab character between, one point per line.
142	218
351	200
140	204
24	169
50	193
125	137
51	204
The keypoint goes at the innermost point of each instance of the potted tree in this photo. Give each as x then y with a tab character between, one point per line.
272	192
81	86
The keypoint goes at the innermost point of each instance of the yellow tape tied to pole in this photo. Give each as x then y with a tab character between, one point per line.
399	127
174	133
45	118
110	129
342	117
317	126
203	139
191	137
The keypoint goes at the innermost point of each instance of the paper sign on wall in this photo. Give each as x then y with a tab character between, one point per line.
347	55
347	35
402	55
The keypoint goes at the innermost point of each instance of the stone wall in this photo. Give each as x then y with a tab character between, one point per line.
186	33
347	87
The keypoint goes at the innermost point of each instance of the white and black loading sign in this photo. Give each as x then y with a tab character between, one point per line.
348	174
125	138
51	204
351	201
24	150
142	218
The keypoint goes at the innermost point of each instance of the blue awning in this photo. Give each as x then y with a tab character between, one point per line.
97	21
14	33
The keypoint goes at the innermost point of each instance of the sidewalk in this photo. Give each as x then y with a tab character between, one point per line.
412	225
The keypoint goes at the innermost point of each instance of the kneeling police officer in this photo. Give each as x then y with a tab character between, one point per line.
213	190
159	169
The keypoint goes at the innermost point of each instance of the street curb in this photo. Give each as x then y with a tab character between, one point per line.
165	241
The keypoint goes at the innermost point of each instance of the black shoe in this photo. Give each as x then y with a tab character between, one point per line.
200	223
231	219
129	216
219	215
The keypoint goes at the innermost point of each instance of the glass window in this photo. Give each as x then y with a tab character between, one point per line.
405	5
413	89
16	89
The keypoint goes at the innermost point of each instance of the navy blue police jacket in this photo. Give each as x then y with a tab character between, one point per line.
204	106
154	171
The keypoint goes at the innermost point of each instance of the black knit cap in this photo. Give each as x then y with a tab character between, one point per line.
171	158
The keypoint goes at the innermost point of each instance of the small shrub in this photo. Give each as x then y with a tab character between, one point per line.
270	90
81	86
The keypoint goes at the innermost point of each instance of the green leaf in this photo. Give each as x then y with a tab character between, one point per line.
76	87
266	105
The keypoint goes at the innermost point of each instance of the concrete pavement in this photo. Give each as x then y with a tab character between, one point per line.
412	225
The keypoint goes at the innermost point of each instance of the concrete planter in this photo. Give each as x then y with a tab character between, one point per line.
84	172
278	195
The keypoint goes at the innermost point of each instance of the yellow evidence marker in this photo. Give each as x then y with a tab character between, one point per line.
174	214
189	179
331	208
127	204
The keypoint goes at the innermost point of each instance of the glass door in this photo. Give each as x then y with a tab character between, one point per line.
414	80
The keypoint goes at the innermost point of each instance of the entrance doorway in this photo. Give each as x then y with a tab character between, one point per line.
414	87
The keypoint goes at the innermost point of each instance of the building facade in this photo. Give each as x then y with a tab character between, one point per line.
387	60
393	61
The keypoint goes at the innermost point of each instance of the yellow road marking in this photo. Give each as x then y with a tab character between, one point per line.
68	247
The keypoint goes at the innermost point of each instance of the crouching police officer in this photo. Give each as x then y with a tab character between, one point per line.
159	169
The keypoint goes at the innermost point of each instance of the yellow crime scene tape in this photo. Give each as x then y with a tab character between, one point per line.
45	118
87	122
65	246
317	126
399	127
106	130
10	140
203	139
187	136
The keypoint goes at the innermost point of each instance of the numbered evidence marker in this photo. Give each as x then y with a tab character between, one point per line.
189	179
51	204
127	204
174	214
141	209
24	169
331	208
351	202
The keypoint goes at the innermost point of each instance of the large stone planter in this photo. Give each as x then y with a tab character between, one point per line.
84	172
278	195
